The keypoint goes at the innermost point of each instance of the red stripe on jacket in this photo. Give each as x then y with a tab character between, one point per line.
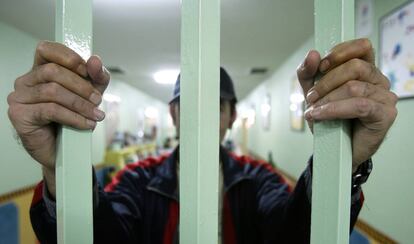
229	234
149	162
172	223
264	164
38	194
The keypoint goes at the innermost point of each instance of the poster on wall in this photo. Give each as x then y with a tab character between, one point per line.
265	110
397	49
364	10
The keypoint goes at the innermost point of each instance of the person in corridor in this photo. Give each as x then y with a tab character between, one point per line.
141	204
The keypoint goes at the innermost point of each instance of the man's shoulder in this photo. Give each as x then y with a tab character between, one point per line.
256	168
248	161
141	171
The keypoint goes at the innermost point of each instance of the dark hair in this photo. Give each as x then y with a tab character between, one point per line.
232	103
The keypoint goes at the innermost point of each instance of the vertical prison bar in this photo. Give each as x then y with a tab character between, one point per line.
199	121
73	166
332	164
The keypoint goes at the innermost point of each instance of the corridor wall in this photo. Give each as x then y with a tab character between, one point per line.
389	196
19	170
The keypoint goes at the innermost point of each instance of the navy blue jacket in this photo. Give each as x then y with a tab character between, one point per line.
141	205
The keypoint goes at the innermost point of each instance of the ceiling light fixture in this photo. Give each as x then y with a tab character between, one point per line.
167	76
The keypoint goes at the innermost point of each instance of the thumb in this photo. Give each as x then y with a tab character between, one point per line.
307	70
98	73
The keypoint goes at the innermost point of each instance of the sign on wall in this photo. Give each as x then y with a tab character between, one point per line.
397	49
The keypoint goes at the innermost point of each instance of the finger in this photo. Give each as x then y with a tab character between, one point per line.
45	113
98	73
355	69
363	109
343	52
55	93
356	88
54	52
52	72
307	70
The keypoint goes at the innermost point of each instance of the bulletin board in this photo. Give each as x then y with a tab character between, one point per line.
397	49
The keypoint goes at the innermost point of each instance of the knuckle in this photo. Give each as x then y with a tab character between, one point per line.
11	98
324	100
13	112
363	107
49	90
365	44
80	105
371	70
87	88
330	109
356	64
393	98
18	82
49	70
41	46
362	68
354	89
73	60
322	87
336	57
50	111
387	83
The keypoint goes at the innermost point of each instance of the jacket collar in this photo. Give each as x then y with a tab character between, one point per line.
164	181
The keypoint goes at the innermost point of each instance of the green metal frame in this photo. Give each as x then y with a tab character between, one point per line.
199	152
332	165
73	166
199	140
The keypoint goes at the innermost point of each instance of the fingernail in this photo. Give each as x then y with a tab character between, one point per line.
81	70
91	123
324	65
316	112
312	96
95	98
308	115
99	115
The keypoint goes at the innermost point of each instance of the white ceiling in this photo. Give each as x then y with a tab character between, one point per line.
143	36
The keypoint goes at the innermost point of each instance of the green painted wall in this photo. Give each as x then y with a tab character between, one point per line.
18	169
389	196
290	149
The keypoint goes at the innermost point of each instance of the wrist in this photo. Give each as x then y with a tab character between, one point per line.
50	180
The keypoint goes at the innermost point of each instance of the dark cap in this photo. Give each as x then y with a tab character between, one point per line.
226	87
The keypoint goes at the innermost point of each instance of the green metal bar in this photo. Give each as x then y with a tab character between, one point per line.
73	166
199	121
332	165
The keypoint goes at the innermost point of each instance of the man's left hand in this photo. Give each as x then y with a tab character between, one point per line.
353	88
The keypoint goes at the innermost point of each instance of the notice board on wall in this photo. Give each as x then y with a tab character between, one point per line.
397	49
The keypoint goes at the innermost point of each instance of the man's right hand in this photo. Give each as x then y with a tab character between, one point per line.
61	88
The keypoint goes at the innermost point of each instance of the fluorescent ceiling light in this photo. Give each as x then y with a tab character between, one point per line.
167	76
